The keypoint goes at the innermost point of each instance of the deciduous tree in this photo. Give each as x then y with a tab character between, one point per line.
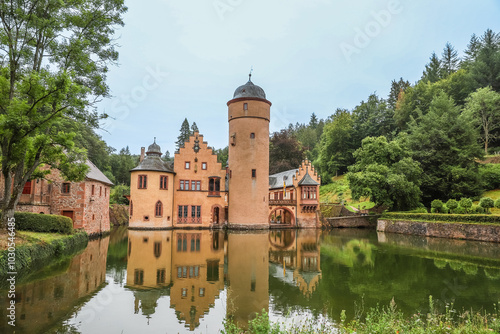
285	152
484	104
385	172
336	145
55	58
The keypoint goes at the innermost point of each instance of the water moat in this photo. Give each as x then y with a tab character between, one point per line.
181	281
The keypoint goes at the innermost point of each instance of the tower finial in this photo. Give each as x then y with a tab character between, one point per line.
250	74
154	140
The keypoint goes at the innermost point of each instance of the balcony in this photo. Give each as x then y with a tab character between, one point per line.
34	199
282	202
189	220
214	193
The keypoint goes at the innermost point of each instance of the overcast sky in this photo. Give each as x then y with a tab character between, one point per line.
184	59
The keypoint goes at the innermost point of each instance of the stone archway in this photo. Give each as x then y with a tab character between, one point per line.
282	215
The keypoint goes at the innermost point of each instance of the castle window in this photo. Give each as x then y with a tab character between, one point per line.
92	192
309	192
187	165
160	276
131	208
100	191
202	292
254	173
66	187
198	185
252	135
27	188
214	186
164	182
105	192
204	165
193	185
139	277
143	182
245	106
184	184
157	249
158	209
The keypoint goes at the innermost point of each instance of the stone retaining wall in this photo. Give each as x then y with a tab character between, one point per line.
479	232
353	221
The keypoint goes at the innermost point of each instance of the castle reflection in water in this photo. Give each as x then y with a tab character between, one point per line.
193	266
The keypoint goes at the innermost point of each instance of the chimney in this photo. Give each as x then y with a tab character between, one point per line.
143	150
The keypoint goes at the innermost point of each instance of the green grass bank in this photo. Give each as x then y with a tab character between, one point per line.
36	250
379	320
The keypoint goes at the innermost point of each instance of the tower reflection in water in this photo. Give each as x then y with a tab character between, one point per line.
191	266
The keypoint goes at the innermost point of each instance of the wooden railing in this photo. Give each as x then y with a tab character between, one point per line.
282	202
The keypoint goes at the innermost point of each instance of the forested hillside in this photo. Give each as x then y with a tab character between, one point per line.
422	142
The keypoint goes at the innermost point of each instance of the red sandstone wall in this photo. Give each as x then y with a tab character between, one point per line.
96	207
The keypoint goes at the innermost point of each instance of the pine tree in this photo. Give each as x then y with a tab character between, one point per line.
185	132
450	60
194	128
486	68
472	48
396	88
167	157
313	122
432	70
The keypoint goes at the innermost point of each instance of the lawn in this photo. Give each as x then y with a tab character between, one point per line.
28	236
339	191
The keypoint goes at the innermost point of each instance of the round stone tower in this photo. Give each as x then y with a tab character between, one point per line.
248	160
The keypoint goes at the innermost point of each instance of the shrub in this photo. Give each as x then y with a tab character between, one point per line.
477	209
452	204
459	211
487	203
437	204
491	219
35	222
465	203
497	203
444	209
419	210
489	175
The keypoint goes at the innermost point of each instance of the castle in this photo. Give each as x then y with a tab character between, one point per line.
196	191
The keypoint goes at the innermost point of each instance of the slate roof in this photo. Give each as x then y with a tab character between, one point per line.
95	174
276	180
307	180
249	90
154	163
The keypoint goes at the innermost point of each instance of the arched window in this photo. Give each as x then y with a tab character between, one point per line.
131	208
159	209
